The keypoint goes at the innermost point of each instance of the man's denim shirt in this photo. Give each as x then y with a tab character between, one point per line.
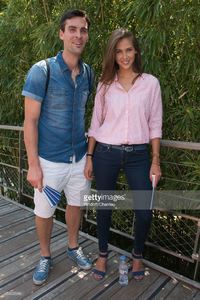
61	128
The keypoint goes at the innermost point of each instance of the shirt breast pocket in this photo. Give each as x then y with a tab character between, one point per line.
83	98
57	99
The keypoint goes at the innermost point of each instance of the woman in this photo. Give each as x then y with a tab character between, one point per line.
127	117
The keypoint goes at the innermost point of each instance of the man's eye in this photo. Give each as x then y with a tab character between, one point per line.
84	30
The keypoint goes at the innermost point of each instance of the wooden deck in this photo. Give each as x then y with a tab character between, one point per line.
20	252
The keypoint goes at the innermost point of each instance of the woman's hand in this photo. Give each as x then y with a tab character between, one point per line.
88	171
155	170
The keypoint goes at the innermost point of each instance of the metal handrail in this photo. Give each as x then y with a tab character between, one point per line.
20	170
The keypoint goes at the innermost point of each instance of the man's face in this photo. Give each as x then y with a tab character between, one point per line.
75	35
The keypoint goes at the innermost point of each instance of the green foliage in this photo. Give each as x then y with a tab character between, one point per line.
168	33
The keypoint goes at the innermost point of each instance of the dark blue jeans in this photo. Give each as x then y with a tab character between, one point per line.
107	163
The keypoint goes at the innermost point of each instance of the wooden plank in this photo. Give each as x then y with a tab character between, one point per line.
4	204
197	296
65	283
8	209
19	242
86	283
24	261
17	248
17	230
63	268
152	290
14	218
10	231
182	292
134	289
15	271
3	201
105	285
166	290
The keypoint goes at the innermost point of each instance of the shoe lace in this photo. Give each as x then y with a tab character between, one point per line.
80	254
43	265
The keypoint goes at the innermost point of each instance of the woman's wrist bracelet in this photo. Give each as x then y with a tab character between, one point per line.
89	154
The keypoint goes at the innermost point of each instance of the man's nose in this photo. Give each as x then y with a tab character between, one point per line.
78	33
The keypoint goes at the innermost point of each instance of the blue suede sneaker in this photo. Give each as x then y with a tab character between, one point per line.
81	260
42	270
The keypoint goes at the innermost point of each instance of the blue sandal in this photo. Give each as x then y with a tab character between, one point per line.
141	273
100	274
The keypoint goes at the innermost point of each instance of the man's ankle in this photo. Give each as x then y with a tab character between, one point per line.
73	248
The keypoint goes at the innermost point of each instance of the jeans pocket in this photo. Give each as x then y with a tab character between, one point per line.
102	148
141	151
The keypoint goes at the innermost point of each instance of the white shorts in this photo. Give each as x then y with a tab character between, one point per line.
62	177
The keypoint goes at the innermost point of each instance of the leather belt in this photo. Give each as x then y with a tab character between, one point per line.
127	148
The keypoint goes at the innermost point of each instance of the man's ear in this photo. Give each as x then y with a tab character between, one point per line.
61	33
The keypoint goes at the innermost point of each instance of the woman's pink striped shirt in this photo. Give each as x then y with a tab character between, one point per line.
133	117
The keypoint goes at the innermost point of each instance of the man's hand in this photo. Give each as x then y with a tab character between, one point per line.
35	177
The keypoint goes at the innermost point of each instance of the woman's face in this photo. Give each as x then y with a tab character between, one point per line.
125	54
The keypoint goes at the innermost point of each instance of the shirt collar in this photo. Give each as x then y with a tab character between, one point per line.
116	77
134	85
63	65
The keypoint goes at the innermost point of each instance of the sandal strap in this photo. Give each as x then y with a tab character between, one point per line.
138	273
137	256
98	272
104	255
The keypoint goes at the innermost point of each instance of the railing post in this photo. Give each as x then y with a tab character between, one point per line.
196	256
20	170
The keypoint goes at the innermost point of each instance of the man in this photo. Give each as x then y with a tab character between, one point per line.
56	93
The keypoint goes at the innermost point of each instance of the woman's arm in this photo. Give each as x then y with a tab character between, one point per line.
155	164
89	165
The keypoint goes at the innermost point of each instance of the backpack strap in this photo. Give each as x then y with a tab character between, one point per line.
89	76
48	75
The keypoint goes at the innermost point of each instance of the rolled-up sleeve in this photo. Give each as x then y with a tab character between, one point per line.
155	120
34	86
97	116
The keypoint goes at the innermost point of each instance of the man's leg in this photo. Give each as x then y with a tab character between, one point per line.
44	223
76	187
72	217
44	229
44	220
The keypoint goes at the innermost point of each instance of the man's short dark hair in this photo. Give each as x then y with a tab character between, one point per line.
71	14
